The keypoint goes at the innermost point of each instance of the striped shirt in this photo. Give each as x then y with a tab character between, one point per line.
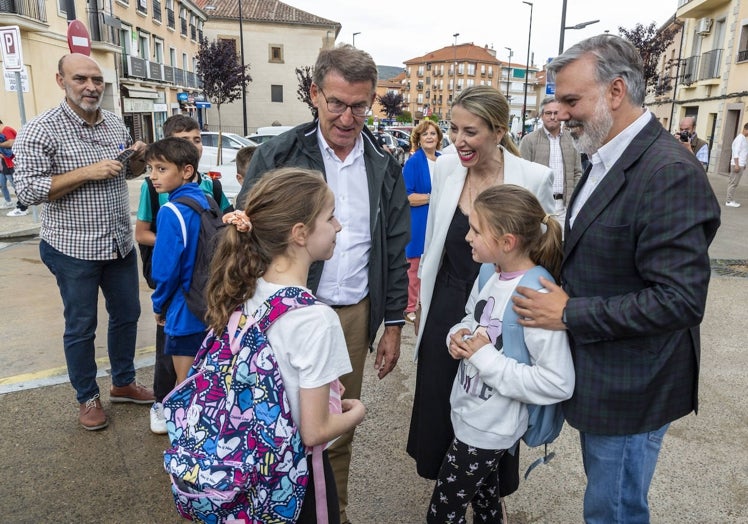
91	222
556	162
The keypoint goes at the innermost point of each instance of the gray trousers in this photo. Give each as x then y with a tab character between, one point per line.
732	184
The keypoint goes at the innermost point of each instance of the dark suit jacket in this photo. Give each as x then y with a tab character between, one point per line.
636	269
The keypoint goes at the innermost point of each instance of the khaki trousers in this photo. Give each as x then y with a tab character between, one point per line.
355	322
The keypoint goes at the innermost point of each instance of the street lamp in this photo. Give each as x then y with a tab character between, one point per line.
244	84
564	27
354	38
527	69
454	77
508	71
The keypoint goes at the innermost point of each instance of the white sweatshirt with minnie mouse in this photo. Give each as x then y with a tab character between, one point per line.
490	389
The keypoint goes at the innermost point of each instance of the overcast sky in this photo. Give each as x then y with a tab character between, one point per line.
393	31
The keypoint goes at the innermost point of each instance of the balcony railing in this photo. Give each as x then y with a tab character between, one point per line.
183	26
193	32
29	8
710	62
689	74
170	18
743	55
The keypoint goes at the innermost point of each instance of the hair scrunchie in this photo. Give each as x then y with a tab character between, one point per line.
239	220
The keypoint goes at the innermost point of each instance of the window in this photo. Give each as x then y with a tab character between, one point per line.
143	46
275	54
184	61
142	6
460	69
231	41
172	57
743	46
158	50
157	10
471	69
276	93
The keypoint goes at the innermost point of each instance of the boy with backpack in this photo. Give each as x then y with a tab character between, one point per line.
172	164
164	377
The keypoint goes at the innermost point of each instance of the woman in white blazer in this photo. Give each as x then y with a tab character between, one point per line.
485	156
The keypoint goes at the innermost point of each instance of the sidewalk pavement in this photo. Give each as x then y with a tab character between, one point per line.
56	471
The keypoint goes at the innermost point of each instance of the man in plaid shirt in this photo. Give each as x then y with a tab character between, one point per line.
66	162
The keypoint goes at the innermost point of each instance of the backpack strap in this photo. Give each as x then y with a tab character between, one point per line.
530	279
155	206
486	271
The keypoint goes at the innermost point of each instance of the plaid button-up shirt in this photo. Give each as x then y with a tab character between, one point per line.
91	222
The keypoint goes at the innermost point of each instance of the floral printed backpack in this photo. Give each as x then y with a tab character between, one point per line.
236	455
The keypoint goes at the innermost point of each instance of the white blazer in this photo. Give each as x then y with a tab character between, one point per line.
446	187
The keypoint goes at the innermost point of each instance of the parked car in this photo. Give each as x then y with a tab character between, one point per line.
389	140
226	173
264	134
231	143
402	137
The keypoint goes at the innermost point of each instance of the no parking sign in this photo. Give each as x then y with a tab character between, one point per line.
10	43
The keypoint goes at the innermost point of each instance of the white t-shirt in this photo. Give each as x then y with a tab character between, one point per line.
308	343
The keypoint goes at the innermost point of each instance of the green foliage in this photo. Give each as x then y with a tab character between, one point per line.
406	117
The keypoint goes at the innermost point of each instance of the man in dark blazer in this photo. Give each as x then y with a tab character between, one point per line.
634	278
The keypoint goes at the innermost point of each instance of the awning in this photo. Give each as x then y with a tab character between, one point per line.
140	92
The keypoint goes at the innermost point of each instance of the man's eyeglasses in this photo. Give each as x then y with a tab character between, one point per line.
337	107
550	113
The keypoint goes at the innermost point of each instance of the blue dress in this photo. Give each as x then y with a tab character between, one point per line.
417	180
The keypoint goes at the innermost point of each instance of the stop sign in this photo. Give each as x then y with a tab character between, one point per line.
79	41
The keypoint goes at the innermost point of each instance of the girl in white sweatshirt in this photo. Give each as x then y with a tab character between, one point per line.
508	228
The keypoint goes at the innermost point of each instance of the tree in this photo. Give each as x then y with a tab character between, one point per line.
303	93
651	44
392	103
223	76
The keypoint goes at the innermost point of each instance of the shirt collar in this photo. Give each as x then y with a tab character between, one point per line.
612	151
550	136
358	147
74	116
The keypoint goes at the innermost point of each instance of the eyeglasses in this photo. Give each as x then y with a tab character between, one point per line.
550	113
337	107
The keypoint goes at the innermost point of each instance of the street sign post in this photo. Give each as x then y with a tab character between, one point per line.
10	44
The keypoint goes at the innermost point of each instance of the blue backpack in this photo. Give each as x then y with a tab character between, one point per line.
544	422
236	454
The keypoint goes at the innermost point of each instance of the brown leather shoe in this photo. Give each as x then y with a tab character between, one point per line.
132	392
91	414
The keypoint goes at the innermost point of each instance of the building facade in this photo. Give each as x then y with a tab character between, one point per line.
146	50
433	80
278	39
712	84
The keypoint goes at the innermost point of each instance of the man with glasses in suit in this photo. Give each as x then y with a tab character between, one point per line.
366	280
66	161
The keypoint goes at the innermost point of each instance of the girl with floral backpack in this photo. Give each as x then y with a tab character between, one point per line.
250	424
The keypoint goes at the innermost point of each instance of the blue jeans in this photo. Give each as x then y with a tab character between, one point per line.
4	178
619	470
79	282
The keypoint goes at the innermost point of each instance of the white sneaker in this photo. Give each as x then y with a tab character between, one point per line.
732	203
158	421
6	204
23	212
